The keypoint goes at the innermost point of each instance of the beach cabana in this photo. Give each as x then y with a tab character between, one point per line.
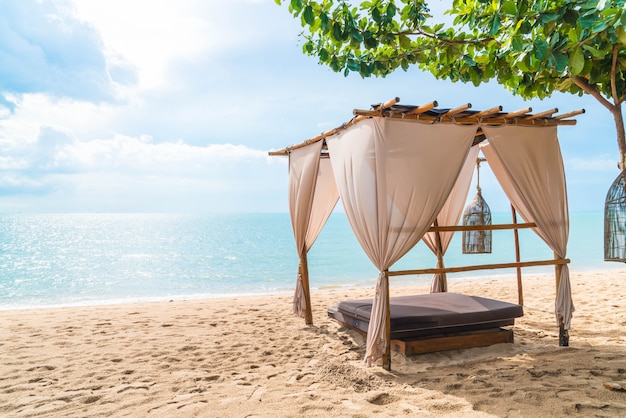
403	174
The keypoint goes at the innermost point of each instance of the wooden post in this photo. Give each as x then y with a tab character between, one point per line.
387	354
308	314
563	333
439	248
520	293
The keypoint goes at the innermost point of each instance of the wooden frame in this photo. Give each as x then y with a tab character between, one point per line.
480	339
470	339
518	264
444	341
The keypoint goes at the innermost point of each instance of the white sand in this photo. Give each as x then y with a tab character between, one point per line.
250	357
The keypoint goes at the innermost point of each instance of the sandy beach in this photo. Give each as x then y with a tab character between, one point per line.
250	357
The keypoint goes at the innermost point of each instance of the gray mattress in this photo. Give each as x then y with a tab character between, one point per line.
431	314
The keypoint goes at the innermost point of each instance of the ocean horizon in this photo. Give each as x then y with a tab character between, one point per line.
52	260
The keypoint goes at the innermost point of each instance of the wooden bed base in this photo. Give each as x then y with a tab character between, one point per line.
443	342
481	338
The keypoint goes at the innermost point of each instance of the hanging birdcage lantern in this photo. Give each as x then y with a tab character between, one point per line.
477	213
615	220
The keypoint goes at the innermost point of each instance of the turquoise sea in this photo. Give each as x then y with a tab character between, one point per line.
88	259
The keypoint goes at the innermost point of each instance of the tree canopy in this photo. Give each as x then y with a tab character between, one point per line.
532	47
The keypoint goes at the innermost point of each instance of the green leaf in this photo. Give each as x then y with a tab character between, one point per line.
469	61
525	27
337	34
540	47
405	41
549	17
509	8
296	5
391	10
570	17
308	15
323	55
600	26
596	53
324	21
576	61
522	62
495	25
369	40
353	65
376	17
588	21
365	69
560	61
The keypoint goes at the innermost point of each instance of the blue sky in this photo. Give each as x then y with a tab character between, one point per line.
163	106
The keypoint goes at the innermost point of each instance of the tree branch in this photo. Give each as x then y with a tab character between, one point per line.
420	32
616	99
589	89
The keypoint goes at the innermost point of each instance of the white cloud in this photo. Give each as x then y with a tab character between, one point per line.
44	50
133	155
151	34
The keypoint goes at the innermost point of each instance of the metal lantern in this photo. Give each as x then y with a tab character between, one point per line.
615	220
475	214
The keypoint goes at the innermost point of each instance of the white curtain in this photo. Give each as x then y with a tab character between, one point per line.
312	197
528	164
325	198
450	215
393	177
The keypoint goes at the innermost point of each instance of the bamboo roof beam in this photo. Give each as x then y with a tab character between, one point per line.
517	113
423	108
569	115
457	110
387	104
544	114
488	112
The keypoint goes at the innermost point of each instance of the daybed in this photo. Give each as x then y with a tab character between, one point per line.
435	321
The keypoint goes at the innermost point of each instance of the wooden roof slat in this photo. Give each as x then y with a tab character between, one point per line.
569	115
457	110
488	112
387	104
543	114
366	113
517	113
424	108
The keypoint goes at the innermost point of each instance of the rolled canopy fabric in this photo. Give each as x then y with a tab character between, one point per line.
312	197
393	178
528	164
450	214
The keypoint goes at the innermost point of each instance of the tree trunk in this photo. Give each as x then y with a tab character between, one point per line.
621	134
